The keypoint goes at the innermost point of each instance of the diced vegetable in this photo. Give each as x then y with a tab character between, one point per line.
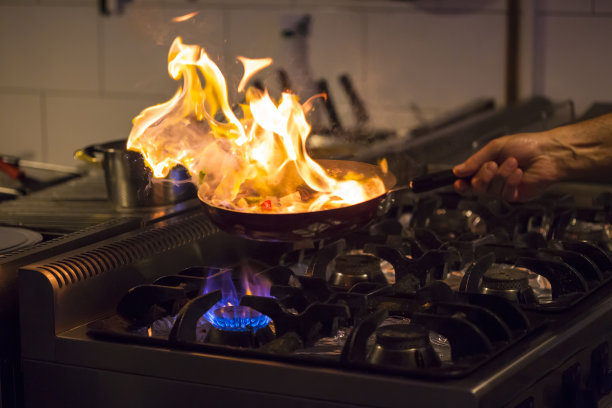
242	203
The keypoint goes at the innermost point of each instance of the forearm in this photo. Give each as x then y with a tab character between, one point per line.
583	151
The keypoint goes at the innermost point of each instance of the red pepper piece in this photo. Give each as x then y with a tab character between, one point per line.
266	205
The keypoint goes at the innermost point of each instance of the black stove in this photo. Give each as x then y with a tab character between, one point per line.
445	301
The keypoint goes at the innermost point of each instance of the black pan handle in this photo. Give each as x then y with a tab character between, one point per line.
432	181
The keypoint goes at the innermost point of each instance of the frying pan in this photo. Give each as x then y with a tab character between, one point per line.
323	223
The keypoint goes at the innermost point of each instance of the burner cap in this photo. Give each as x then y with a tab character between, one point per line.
449	224
357	264
402	336
354	268
506	277
403	345
239	326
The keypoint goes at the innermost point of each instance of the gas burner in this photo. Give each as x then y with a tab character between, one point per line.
403	345
350	269
238	326
580	230
239	338
238	318
449	224
234	284
539	224
385	266
508	281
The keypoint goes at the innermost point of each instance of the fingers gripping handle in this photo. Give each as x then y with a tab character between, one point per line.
432	181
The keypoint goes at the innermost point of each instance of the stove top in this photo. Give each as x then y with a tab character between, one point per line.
446	301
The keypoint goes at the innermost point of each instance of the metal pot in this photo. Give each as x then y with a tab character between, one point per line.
130	183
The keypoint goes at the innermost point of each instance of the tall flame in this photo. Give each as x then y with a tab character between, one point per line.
257	162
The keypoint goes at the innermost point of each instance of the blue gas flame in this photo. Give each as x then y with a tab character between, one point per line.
226	314
238	318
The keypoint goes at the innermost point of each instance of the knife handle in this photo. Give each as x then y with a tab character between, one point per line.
431	181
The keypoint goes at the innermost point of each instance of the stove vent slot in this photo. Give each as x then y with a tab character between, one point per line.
129	250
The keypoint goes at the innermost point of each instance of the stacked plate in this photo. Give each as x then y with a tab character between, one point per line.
13	239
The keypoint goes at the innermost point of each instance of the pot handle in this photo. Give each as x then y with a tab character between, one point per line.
88	154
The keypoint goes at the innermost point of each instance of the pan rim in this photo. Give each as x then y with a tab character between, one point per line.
388	179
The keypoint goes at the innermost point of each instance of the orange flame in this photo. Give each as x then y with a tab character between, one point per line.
256	163
188	16
251	67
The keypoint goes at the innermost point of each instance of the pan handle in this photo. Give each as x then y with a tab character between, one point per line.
88	154
432	181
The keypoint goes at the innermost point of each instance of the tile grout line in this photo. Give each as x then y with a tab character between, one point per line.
364	52
100	45
50	92
590	13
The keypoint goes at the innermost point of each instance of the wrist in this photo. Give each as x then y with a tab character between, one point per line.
583	151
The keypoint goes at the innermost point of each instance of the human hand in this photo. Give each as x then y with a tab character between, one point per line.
516	167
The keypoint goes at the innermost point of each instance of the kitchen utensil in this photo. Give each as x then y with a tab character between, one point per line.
334	121
20	177
130	183
10	166
323	223
359	111
283	79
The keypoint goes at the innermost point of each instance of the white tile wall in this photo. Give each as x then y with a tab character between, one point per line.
91	3
602	6
69	77
135	46
434	60
337	48
48	47
565	6
20	125
466	5
427	5
330	4
577	59
253	33
76	121
242	3
216	3
18	2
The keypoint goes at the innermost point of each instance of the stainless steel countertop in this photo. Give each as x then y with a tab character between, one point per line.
74	205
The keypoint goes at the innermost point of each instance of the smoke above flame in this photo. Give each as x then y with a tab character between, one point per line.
251	157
